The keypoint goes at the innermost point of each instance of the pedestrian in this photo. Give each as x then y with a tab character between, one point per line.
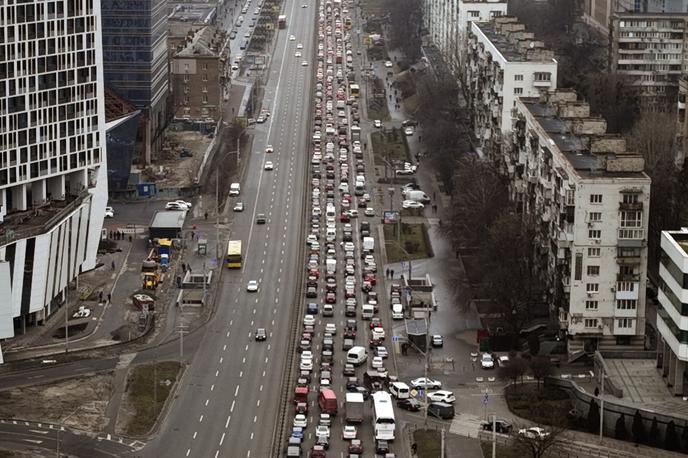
109	297
113	264
206	216
387	273
130	239
434	195
597	391
188	268
434	208
179	281
183	267
100	297
392	273
193	234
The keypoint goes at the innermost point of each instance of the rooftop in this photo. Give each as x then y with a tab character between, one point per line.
169	218
193	12
681	239
576	134
208	41
513	41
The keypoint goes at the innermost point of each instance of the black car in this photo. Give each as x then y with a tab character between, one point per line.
350	311
441	410
381	446
501	426
349	370
260	218
358	389
410	404
261	334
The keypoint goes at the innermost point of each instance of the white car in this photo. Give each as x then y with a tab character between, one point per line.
377	362
309	320
331	328
252	286
408	131
369	211
322	430
411	204
442	396
533	433
349	432
184	203
300	420
306	365
377	333
175	206
304	64
269	165
292	38
427	383
299	46
487	361
377	123
503	360
109	212
83	312
297	54
239	207
389	64
304	6
269	149
235	67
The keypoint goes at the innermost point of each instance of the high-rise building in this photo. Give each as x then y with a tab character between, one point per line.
53	180
672	323
589	197
136	63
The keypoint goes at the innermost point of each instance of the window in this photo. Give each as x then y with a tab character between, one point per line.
591	305
631	218
595	198
204	77
205	98
579	266
593	252
631	198
590	322
592	287
518	90
593	270
205	67
624	323
518	77
595	234
595	216
626	304
186	77
474	13
625	286
541	76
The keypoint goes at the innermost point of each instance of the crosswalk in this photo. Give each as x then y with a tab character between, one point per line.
464	424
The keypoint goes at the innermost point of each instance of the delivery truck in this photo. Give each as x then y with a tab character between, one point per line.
354	407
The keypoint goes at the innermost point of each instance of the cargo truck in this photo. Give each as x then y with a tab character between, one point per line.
354	407
282	21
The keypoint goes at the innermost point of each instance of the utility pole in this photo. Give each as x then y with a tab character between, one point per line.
494	435
217	215
602	404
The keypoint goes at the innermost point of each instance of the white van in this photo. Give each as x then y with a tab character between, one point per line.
234	189
356	356
331	234
397	312
341	104
400	390
330	210
367	311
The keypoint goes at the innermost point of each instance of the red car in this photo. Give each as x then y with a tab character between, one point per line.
314	272
330	298
375	323
370	278
344	218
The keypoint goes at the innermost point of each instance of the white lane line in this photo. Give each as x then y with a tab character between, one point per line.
212	387
221	359
229	417
200	419
243	361
207	401
188	451
255	418
261	388
195	434
241	374
217	453
217	372
222	439
236	392
231	408
224	347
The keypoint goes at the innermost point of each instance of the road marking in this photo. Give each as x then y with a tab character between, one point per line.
39	431
195	434
221	359
212	387
248	454
266	360
200	419
246	349
263	373
224	347
229	417
236	392
261	388
188	451
255	418
207	401
217	453
243	361
258	403
231	408
241	374
222	439
217	372
251	435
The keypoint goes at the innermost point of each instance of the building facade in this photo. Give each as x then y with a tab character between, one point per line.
200	76
672	312
650	50
503	62
448	23
589	198
681	121
136	63
598	13
53	173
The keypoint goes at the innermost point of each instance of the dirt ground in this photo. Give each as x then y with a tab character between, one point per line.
180	171
30	452
76	403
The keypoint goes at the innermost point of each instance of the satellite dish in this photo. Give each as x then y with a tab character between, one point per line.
532	45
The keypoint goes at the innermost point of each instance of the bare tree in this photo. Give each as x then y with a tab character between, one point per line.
540	446
653	135
406	19
513	371
612	97
479	199
541	367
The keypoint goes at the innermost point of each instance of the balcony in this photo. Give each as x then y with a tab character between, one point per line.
638	206
631	237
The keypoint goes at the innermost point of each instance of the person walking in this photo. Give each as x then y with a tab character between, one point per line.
206	216
183	267
112	264
391	273
109	297
100	297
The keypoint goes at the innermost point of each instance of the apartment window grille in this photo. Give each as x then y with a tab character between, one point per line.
590	322
591	305
592	287
593	270
595	216
626	304
594	252
595	198
594	234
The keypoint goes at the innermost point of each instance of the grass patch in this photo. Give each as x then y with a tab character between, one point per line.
146	398
373	7
377	103
429	443
543	406
413	239
377	53
389	145
503	451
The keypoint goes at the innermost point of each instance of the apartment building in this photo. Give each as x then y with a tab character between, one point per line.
136	63
681	121
672	312
448	23
598	13
503	62
200	76
649	50
589	197
53	173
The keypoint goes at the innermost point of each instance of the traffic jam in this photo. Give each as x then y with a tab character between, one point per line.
341	405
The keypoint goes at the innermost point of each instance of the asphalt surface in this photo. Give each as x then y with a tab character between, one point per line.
228	397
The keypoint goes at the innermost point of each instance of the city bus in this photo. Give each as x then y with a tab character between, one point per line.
233	259
383	415
354	90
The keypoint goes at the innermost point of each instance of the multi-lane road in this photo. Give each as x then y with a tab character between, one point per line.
228	398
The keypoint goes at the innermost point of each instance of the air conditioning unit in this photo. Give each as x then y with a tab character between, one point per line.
590	224
591	294
613	288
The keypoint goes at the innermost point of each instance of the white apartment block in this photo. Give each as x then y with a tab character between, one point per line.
503	62
672	313
590	198
651	51
448	23
53	174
